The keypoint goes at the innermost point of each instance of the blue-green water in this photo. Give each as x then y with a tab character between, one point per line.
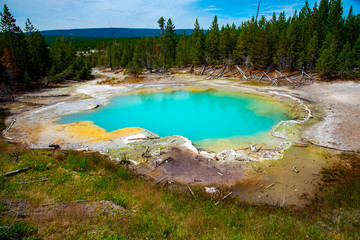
194	115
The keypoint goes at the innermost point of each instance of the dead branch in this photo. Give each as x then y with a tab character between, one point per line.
223	198
12	123
12	173
192	193
39	180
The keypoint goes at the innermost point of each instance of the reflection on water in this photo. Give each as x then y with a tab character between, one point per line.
203	117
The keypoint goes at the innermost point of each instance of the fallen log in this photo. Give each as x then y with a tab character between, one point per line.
264	74
241	71
220	73
286	77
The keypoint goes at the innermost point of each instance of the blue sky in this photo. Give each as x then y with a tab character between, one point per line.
68	14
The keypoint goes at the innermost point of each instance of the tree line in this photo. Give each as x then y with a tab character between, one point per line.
319	39
26	60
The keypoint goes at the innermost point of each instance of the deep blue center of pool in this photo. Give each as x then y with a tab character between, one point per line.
194	115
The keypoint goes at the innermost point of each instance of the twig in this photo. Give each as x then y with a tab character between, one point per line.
147	138
223	198
39	180
270	185
191	191
282	204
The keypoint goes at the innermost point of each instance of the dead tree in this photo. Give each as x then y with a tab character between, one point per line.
203	70
241	71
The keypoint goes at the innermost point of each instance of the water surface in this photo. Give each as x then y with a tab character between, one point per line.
200	116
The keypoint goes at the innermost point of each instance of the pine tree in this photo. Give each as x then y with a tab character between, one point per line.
182	54
327	63
39	52
170	43
259	50
14	52
212	42
197	42
311	52
346	61
226	43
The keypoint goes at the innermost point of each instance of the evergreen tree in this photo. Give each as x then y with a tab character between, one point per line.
14	52
259	50
39	52
197	42
327	63
170	43
182	53
212	42
311	52
226	43
346	61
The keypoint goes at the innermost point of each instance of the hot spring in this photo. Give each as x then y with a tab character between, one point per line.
210	119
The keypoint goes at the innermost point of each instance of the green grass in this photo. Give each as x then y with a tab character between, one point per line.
154	211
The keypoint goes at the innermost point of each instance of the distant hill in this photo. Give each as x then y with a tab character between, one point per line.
110	32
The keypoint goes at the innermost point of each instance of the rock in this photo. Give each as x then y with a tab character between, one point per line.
211	190
231	156
211	156
93	106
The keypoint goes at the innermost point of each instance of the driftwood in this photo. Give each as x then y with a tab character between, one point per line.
241	71
12	173
223	198
12	123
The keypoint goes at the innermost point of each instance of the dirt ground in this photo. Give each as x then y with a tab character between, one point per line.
288	180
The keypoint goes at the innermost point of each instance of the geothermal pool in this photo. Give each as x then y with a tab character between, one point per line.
200	116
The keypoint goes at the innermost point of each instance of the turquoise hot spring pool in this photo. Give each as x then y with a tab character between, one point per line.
198	116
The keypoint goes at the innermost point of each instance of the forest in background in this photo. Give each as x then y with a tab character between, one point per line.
321	39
